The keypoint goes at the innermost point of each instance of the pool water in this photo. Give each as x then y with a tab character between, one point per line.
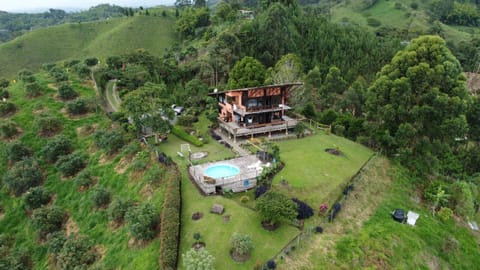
222	170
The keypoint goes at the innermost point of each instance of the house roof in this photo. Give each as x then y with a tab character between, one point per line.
288	85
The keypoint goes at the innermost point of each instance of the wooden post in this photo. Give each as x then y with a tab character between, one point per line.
235	136
286	128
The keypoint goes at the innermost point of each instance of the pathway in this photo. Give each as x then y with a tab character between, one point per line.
236	147
112	96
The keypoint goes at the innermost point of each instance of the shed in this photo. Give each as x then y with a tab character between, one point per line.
217	209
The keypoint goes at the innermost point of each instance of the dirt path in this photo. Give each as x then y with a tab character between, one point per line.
112	96
359	207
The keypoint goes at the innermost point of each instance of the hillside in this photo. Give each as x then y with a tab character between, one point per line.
80	40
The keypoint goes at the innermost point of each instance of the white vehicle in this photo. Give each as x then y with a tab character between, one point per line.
177	109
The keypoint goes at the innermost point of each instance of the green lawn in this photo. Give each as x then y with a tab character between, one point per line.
314	175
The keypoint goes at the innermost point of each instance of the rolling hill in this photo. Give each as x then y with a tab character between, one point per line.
80	40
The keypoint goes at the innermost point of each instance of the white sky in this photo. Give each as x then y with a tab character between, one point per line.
42	5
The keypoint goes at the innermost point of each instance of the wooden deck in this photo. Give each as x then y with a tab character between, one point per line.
237	131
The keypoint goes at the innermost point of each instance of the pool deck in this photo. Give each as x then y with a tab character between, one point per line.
250	167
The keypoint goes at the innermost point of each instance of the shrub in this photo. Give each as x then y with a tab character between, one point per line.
201	259
78	106
100	196
84	179
48	124
48	66
4	94
260	190
244	199
58	74
70	63
17	151
66	92
397	5
8	129
241	243
24	73
186	120
6	107
55	148
170	222
25	174
82	70
142	221
373	22
77	253
48	219
445	213
304	211
70	165
55	241
36	197
462	199
33	89
414	5
182	134
4	83
319	229
117	210
271	264
92	61
274	207
111	141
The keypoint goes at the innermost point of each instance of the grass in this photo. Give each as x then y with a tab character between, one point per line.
365	236
91	222
314	175
81	40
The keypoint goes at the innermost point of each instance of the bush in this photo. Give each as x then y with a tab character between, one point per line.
462	199
70	165
319	229
373	22
77	253
244	199
23	74
142	221
4	94
271	264
241	244
100	196
4	83
48	124
48	219
117	210
55	148
33	89
84	179
304	210
274	207
111	141
6	107
8	129
187	120
445	213
82	70
182	134
170	222
78	106
55	241
92	61
66	92
25	174
414	5
201	259
260	190
17	151
36	197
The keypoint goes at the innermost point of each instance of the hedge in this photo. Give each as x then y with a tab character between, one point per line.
182	134
170	223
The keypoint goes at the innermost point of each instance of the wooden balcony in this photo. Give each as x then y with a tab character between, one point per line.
253	129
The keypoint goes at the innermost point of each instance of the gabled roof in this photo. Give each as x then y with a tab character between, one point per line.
288	85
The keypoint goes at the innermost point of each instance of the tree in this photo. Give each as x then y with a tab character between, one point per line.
118	208
224	12
77	253
333	86
48	124
242	244
198	260
17	151
78	106
23	175
66	92
247	72
354	98
57	147
274	207
36	197
287	70
101	196
419	101
6	107
71	164
91	61
33	89
462	199
110	141
48	219
142	221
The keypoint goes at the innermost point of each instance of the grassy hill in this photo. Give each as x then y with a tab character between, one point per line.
397	14
80	40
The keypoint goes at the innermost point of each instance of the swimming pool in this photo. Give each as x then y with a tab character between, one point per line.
222	170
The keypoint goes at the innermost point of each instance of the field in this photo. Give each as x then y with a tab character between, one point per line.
118	173
81	40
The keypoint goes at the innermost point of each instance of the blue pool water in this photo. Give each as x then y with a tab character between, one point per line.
222	170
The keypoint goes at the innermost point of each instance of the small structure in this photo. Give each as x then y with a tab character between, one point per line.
255	110
217	209
412	218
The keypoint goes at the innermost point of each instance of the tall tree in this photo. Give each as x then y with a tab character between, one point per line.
247	72
418	103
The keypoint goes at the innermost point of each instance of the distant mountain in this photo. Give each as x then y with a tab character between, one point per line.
81	40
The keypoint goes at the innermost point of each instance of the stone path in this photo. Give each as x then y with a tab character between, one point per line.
236	147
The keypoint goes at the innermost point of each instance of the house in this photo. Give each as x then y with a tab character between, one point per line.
255	110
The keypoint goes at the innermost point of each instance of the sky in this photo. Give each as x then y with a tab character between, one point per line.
69	5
